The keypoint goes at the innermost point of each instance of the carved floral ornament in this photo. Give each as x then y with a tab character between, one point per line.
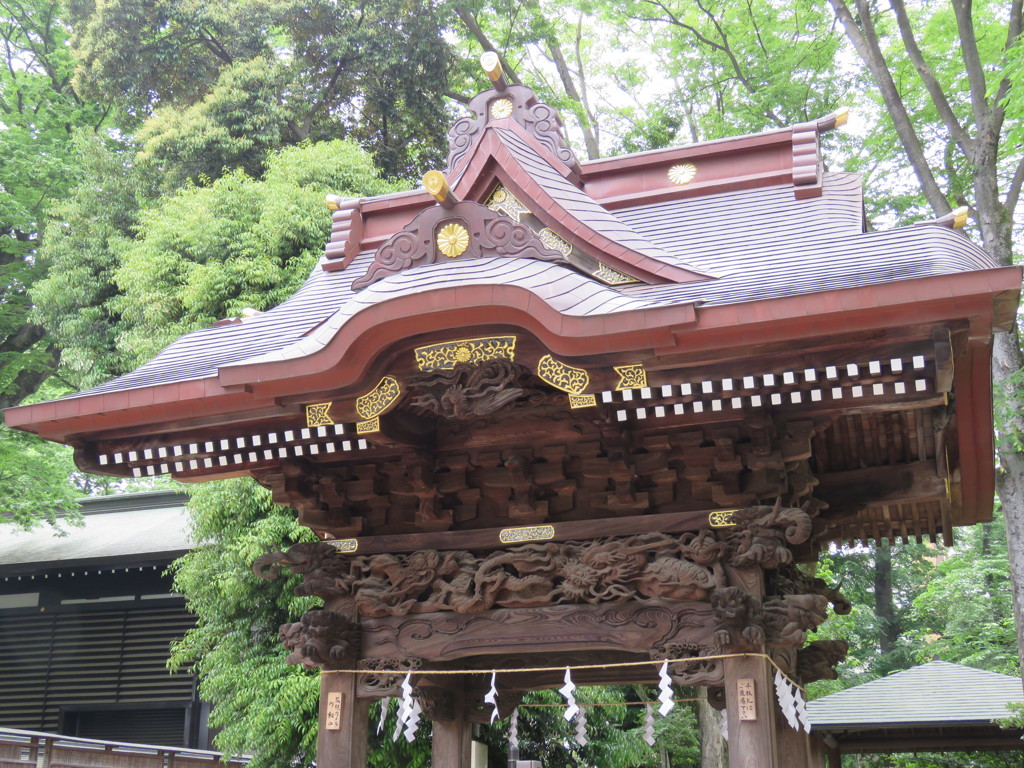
473	377
476	372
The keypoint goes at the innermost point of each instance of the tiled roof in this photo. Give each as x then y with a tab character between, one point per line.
758	243
582	207
132	527
936	693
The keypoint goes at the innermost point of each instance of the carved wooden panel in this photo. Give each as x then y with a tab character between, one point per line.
633	627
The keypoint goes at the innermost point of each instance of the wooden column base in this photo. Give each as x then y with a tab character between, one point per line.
752	743
798	748
344	746
452	744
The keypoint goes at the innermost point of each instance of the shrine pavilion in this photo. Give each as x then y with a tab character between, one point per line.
559	416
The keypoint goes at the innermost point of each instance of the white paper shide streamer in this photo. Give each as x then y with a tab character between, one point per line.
665	686
492	697
385	706
413	723
784	691
568	692
513	731
409	712
801	710
648	724
581	728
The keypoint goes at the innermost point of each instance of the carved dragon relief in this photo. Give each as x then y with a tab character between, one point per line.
630	583
470	390
652	565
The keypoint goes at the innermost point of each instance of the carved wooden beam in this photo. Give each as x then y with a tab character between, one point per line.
630	627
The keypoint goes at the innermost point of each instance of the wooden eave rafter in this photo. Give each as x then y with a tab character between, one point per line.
343	364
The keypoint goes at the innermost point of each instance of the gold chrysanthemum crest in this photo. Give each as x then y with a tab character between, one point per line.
453	240
447	354
501	108
682	174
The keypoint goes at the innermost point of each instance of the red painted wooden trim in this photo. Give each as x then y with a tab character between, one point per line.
344	361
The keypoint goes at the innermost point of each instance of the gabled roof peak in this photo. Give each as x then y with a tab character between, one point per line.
508	102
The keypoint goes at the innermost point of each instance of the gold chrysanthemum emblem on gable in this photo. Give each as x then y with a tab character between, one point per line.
447	354
503	201
501	109
682	174
453	240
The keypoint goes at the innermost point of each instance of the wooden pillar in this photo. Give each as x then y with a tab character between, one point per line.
752	743
798	749
835	759
752	731
452	745
817	751
344	723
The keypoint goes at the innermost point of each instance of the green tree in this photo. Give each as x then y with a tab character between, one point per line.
949	113
219	84
261	705
130	272
39	112
965	613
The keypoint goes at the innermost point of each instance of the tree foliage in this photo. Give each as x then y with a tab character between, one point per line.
261	705
223	83
132	272
39	111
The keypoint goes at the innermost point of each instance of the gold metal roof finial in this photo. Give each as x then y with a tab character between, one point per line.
833	120
334	202
492	66
437	185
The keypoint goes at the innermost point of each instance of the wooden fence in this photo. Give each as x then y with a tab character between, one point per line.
28	749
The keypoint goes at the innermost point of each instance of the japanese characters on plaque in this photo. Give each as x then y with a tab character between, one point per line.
332	719
745	699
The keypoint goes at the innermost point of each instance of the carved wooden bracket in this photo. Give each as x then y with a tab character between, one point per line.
817	661
321	639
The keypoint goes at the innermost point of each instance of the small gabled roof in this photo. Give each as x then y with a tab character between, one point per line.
934	694
116	530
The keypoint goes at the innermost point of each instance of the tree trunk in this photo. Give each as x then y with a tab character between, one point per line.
1006	366
885	608
712	745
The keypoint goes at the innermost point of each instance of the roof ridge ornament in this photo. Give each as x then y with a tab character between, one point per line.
454	229
514	102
